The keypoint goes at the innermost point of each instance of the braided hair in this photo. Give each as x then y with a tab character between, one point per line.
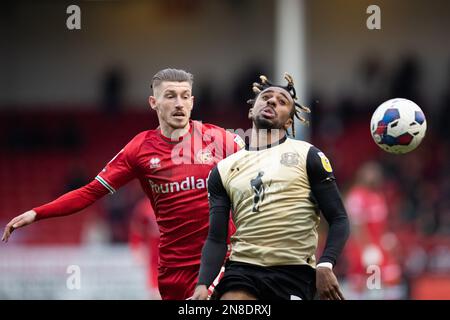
265	83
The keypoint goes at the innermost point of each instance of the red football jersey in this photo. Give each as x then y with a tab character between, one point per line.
174	175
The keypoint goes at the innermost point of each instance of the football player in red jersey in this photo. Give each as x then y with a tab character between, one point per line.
172	164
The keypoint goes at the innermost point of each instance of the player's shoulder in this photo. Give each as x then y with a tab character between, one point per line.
208	127
300	146
139	139
311	154
228	162
144	135
316	158
304	145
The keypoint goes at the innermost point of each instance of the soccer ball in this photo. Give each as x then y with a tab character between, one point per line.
398	126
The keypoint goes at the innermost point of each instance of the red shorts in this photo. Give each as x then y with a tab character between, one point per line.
178	283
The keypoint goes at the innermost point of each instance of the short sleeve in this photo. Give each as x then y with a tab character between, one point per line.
318	167
234	142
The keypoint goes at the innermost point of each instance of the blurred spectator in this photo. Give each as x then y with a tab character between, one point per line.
372	79
117	216
76	177
113	90
444	112
406	80
144	242
242	85
70	136
204	107
25	133
371	243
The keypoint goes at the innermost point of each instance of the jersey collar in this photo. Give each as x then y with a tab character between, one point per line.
183	137
282	140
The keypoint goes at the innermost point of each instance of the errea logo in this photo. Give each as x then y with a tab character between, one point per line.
155	163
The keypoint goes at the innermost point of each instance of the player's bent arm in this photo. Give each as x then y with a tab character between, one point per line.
215	248
119	171
68	203
20	221
325	192
72	201
330	203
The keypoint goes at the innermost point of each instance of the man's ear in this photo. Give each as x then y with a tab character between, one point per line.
250	113
192	102
288	124
152	102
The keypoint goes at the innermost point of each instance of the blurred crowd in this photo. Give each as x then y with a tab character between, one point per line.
399	205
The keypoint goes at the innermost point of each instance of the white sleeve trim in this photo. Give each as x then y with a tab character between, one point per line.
105	184
328	265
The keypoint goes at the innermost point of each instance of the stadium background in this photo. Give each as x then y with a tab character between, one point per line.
69	100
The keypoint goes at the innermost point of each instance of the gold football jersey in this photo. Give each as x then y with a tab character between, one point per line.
275	218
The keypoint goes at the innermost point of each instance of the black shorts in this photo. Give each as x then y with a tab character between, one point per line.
292	282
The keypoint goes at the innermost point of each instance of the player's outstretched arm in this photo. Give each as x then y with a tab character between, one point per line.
69	203
327	196
20	221
333	210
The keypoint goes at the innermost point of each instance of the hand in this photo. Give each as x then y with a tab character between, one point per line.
327	284
20	221
200	293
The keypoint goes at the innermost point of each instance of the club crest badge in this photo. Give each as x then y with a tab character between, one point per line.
205	157
289	159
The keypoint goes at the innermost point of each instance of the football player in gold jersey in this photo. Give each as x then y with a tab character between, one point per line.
276	188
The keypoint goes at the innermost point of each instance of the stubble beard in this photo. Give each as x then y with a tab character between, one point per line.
263	123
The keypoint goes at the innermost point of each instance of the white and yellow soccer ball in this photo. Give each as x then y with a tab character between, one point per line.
398	126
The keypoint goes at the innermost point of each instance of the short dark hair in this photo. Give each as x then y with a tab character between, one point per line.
170	74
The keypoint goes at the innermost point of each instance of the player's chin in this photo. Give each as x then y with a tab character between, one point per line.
266	123
178	122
